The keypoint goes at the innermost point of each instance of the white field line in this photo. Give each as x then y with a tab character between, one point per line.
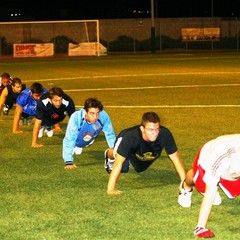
154	87
151	87
174	106
131	75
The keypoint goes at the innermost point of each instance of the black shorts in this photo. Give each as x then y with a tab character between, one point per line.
139	166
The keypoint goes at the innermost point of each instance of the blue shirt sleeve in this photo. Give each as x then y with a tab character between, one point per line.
107	128
71	136
76	122
23	97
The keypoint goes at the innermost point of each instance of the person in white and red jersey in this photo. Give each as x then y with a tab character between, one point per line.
217	165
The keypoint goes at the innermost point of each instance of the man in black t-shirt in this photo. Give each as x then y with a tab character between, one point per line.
5	80
9	95
51	109
141	145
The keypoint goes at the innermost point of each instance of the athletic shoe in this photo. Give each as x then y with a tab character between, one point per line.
217	200
185	196
108	163
29	120
41	131
49	132
21	122
201	232
77	150
5	110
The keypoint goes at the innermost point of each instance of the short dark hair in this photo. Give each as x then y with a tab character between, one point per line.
55	91
5	75
16	80
92	103
150	117
36	88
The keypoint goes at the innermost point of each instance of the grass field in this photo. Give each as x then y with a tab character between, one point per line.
196	96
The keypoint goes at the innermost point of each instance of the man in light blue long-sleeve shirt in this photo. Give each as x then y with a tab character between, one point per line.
83	127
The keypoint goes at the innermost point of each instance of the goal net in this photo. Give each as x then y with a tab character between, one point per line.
61	33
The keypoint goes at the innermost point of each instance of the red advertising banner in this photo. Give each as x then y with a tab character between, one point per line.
33	50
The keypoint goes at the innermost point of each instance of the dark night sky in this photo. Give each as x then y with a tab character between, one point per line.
97	9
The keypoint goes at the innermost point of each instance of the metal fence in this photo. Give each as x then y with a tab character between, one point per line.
131	35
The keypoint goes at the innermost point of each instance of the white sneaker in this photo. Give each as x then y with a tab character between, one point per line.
49	132
41	131
5	110
108	163
185	196
77	150
217	200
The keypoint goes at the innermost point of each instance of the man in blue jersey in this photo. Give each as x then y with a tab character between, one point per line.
52	108
141	145
26	105
83	128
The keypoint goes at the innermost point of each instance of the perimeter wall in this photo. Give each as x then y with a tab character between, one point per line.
113	29
140	29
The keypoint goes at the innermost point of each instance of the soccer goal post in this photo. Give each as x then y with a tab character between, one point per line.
61	33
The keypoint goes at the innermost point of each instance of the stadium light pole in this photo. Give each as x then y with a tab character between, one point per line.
212	15
212	11
153	44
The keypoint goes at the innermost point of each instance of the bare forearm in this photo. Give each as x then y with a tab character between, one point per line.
16	122
36	129
206	206
35	136
114	177
181	171
178	165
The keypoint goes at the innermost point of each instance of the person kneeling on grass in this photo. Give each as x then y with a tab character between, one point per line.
141	145
83	127
51	109
217	164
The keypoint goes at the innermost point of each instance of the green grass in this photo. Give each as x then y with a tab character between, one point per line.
41	200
